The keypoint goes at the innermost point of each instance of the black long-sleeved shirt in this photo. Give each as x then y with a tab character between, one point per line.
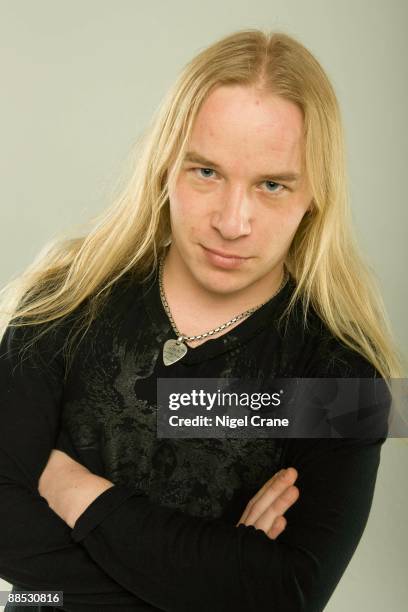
164	537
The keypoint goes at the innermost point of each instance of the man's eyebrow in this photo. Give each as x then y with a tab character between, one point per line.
196	158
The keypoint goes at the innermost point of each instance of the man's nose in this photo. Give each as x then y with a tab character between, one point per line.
233	215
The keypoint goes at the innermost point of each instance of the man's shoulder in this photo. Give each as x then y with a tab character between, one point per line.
323	352
128	287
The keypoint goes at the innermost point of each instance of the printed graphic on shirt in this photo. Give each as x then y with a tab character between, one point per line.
110	412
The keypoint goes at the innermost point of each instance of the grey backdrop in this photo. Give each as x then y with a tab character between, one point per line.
80	80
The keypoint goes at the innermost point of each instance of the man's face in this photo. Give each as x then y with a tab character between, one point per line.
238	203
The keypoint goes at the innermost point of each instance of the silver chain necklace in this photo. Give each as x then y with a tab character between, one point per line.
173	350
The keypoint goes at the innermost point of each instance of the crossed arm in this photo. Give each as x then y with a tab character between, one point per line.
127	553
177	562
70	488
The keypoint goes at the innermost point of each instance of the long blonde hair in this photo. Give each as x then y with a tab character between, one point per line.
131	233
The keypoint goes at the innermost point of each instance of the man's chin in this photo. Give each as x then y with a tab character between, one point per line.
220	282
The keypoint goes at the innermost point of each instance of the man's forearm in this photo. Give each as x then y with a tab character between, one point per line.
85	491
69	487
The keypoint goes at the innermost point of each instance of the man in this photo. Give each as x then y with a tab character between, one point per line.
233	213
249	226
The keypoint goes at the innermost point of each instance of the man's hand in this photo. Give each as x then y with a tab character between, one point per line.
69	487
264	511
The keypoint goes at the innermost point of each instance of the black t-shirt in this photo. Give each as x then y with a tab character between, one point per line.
164	537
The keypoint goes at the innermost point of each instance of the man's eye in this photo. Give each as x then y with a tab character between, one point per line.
205	170
273	183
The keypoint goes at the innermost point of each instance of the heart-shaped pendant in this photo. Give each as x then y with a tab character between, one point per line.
173	351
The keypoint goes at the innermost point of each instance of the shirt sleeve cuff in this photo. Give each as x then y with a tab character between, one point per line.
99	509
